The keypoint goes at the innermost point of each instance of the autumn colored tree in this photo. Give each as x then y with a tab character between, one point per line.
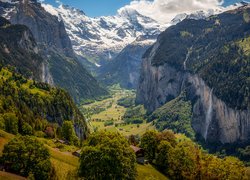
184	161
168	136
49	131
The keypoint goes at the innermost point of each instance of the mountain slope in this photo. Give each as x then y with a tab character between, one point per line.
124	69
61	66
210	60
19	49
35	104
100	39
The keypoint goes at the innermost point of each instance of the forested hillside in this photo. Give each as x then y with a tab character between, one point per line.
28	107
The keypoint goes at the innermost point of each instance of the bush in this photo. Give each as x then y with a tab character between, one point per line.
134	121
109	123
11	123
26	155
126	102
49	131
107	155
27	129
40	134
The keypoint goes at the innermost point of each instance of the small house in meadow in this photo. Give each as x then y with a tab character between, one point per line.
139	152
77	153
62	141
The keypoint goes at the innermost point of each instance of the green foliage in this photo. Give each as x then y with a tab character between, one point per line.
126	102
74	78
134	139
227	168
107	155
183	159
162	155
11	123
108	123
244	153
219	56
26	129
175	115
26	156
149	143
134	115
133	121
49	131
29	106
185	34
68	132
2	123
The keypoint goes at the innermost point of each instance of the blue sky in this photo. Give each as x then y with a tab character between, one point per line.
95	8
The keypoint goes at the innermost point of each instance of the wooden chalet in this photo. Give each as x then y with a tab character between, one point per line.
139	152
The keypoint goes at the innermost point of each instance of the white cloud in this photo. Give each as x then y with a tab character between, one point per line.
165	10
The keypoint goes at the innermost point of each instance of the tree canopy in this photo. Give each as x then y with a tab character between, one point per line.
107	155
27	156
181	158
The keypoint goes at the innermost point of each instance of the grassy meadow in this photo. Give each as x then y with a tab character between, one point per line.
111	111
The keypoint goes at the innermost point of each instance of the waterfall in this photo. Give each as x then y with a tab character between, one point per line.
46	76
110	56
209	113
187	57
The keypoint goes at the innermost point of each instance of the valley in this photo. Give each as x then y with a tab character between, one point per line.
155	90
109	115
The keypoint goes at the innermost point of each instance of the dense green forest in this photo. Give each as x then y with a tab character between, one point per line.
175	115
28	107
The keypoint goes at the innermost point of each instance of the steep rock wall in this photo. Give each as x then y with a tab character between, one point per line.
212	118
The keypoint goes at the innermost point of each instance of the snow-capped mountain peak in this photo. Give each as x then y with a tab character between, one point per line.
98	39
101	37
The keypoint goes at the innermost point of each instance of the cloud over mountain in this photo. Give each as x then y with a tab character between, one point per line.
165	10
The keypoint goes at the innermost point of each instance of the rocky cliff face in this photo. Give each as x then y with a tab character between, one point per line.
19	49
208	59
47	30
212	118
100	39
61	67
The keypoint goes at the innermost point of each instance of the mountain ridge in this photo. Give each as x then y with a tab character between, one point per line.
211	65
61	67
